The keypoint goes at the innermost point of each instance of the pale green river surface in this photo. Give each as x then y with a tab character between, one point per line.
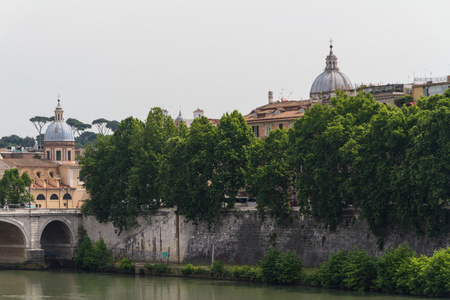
78	285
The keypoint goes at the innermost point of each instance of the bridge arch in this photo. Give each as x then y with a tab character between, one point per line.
57	239
13	242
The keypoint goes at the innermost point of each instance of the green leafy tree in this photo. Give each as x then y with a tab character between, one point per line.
172	174
16	141
102	257
234	137
269	177
93	256
427	163
39	123
13	187
183	130
77	127
28	141
87	137
322	143
112	125
380	148
149	148
192	162
106	169
101	125
121	171
83	249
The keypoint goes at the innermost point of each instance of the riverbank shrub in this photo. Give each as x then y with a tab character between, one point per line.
160	268
246	273
437	273
360	271
411	278
218	269
188	270
280	267
126	265
388	267
331	273
92	256
354	270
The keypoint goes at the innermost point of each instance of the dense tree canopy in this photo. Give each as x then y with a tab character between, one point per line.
391	164
120	170
192	162
270	174
87	137
13	187
16	141
233	139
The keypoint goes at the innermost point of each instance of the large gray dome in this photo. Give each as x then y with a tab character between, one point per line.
330	80
58	130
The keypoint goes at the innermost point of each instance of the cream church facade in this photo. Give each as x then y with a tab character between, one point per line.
55	173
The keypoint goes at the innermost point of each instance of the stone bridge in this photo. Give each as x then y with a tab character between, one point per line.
31	236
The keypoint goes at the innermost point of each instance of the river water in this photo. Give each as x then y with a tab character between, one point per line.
78	285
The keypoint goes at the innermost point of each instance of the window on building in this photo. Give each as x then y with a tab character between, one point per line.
38	174
54	197
51	174
48	154
58	155
69	155
268	130
67	197
40	197
255	131
280	126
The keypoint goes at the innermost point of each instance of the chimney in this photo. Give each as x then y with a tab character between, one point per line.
270	97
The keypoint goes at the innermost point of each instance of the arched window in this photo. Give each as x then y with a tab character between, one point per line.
54	197
67	197
38	174
40	197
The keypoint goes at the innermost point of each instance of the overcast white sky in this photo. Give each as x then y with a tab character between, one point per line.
114	59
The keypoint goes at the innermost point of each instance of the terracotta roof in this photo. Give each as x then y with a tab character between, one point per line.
29	162
62	186
288	110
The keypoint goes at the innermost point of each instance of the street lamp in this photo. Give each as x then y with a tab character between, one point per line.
29	197
67	198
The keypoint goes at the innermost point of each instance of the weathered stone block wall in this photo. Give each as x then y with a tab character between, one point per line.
239	237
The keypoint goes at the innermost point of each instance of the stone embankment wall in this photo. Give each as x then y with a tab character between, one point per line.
239	237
